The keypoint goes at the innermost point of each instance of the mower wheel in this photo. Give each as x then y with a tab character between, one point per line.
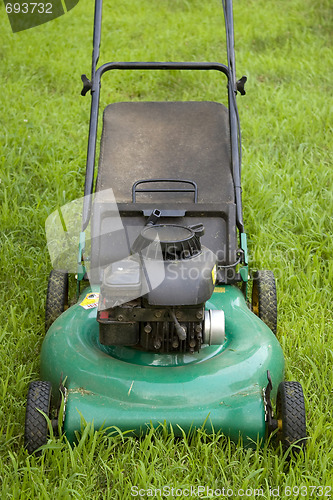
290	413
264	303
57	296
36	429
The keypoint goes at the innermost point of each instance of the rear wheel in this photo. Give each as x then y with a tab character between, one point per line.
36	429
290	413
264	303
57	296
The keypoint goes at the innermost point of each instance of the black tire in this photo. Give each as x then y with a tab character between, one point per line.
36	429
57	296
290	413
264	303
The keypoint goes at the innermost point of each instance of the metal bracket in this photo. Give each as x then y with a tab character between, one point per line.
272	423
132	314
81	269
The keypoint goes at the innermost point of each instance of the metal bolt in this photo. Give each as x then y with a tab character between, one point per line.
158	314
178	315
198	328
199	314
147	328
192	343
157	343
120	317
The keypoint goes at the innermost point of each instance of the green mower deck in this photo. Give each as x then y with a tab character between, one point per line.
221	386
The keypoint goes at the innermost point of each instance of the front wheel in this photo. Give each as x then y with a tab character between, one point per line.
38	401
290	413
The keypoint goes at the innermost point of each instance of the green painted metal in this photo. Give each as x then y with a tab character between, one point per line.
124	387
81	270
243	238
244	270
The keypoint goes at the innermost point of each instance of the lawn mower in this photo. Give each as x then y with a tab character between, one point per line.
163	330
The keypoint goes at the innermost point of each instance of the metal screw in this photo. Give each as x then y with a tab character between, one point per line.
120	317
157	343
158	314
199	314
147	328
178	314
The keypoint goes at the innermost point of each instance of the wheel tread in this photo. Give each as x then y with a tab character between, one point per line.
291	409
266	290
38	399
57	296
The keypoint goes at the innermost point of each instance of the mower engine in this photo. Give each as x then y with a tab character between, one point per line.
155	299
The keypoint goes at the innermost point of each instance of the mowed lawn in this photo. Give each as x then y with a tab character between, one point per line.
285	49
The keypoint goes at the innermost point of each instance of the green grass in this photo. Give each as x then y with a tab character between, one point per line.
284	48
